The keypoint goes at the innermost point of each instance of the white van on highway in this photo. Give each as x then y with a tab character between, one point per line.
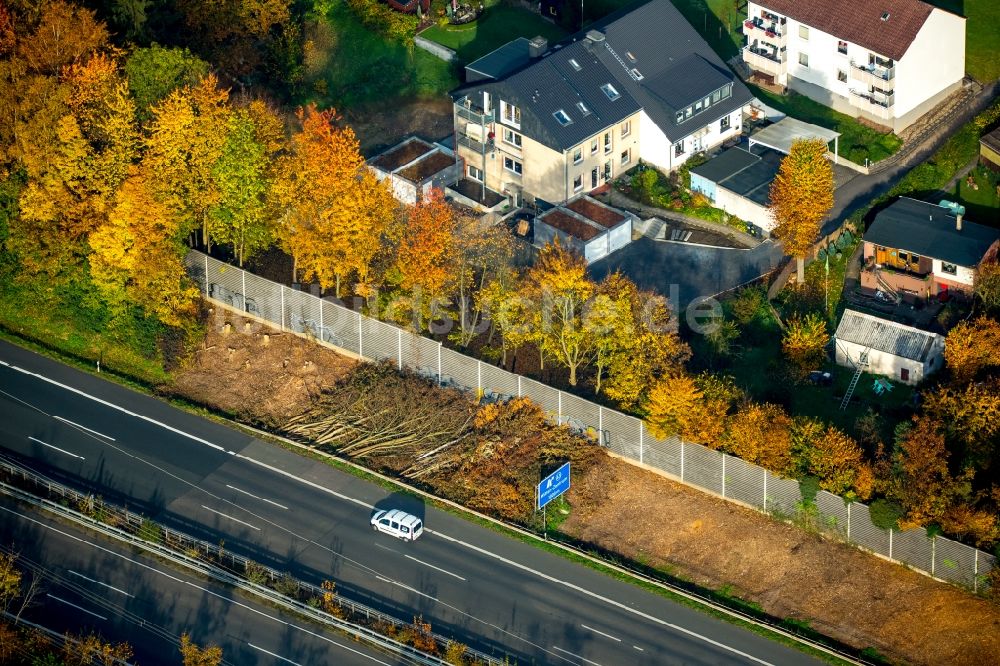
398	523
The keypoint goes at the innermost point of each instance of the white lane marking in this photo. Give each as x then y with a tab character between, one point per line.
369	506
614	638
556	647
444	571
305	481
35	439
176	579
638	648
110	587
262	499
115	407
594	595
236	520
276	656
81	427
79	608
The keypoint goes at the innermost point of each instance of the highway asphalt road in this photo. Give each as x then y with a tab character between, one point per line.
296	514
90	584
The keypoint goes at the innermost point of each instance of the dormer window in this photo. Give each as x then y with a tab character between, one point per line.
574	64
583	109
562	117
885	16
510	114
610	91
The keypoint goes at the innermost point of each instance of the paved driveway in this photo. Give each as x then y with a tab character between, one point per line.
695	270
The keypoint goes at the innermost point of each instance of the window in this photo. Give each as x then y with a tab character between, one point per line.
842	47
475	173
636	74
949	269
510	114
626	157
803	32
512	165
678	149
804	59
577	155
716	96
610	91
578	183
583	109
725	123
594	145
574	64
904	374
607	142
562	117
842	76
511	137
626	128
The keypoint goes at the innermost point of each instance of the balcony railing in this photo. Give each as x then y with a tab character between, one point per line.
771	31
480	147
765	61
472	113
872	75
874	101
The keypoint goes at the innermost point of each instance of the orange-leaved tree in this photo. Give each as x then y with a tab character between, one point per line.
970	417
971	346
923	484
425	257
839	463
761	433
801	197
193	655
804	343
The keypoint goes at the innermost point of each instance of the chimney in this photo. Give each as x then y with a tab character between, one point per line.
537	47
958	222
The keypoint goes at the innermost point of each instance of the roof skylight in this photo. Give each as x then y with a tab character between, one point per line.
574	64
562	117
583	109
610	91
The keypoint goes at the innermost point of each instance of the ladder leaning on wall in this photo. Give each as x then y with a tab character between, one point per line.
860	367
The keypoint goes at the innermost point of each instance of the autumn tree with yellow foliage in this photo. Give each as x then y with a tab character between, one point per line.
194	655
760	433
801	197
972	346
923	484
804	343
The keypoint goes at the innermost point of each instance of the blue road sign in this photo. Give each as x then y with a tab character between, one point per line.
554	485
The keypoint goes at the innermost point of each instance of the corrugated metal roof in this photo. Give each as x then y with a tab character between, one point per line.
885	336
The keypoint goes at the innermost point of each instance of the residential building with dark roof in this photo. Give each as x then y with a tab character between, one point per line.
552	122
915	251
889	61
739	182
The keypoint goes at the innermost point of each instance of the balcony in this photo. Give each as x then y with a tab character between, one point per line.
467	111
766	61
872	75
773	31
874	102
474	144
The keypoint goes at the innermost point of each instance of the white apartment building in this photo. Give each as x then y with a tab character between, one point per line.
888	61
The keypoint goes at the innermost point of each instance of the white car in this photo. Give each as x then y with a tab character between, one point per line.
398	523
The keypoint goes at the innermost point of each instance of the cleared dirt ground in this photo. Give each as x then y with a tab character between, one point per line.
839	590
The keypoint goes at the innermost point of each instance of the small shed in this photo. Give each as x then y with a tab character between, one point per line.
989	150
586	226
781	135
904	353
414	167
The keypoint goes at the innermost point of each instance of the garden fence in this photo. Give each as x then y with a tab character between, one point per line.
695	465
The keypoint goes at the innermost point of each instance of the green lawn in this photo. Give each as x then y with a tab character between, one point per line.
982	35
982	204
857	142
499	25
362	67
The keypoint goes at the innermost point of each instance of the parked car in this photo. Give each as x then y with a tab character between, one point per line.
398	523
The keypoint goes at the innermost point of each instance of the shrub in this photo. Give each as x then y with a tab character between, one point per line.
381	18
885	514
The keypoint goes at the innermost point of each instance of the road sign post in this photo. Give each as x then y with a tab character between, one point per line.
551	487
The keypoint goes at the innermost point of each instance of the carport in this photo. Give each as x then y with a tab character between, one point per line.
783	133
